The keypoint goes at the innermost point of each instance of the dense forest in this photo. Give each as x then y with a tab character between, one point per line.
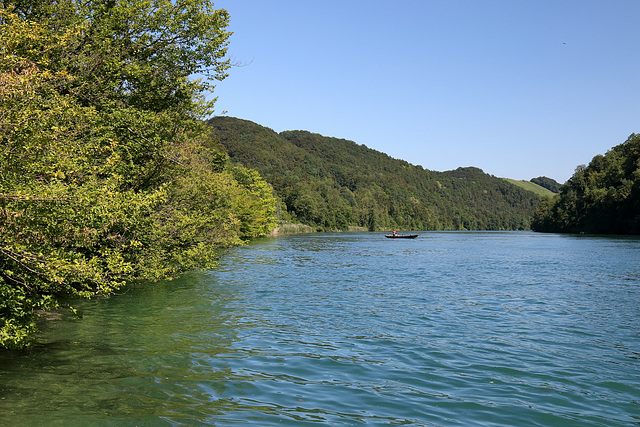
602	197
333	184
108	173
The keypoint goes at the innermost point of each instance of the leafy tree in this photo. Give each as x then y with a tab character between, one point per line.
602	197
108	174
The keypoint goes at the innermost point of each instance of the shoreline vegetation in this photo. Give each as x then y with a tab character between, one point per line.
287	228
298	228
109	174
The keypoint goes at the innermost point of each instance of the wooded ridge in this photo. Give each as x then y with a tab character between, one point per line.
333	183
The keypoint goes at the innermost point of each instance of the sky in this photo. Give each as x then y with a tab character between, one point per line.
518	88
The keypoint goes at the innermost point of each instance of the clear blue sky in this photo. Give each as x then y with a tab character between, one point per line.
518	88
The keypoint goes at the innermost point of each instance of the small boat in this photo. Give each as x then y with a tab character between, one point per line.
401	236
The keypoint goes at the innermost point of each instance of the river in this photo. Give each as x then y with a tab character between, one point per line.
452	328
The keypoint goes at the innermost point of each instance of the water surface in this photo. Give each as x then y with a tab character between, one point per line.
453	328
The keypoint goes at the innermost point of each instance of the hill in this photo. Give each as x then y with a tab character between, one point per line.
533	187
333	183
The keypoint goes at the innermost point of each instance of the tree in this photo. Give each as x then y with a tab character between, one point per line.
108	173
602	197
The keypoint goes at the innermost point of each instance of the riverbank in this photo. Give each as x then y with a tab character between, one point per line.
290	228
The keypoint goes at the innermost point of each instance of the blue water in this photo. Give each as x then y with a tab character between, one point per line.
453	328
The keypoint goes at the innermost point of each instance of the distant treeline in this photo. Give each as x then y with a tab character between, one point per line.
332	183
603	197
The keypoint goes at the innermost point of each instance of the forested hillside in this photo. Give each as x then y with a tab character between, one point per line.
333	183
603	197
108	173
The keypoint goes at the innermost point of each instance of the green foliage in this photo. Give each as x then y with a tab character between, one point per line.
108	174
548	183
288	228
603	197
331	183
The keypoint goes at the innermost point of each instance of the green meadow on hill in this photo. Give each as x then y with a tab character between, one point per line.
531	186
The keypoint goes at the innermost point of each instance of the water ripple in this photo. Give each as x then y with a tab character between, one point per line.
477	328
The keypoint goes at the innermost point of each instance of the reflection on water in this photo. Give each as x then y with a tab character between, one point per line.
469	328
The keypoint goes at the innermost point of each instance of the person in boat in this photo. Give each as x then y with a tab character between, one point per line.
394	233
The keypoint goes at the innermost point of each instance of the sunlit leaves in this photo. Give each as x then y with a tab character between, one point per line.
106	173
602	197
